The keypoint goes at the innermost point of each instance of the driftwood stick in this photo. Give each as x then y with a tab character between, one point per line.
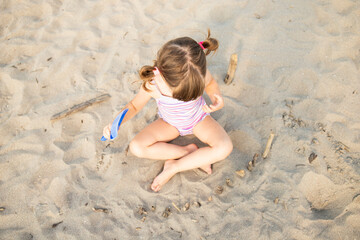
80	106
231	69
250	166
268	145
99	209
255	157
177	208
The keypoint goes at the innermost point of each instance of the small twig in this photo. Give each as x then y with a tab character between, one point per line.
250	166
176	207
98	209
56	224
268	145
255	157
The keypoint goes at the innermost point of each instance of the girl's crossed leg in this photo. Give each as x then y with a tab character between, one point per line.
220	146
151	142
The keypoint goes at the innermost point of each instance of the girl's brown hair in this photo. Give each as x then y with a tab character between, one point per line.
182	63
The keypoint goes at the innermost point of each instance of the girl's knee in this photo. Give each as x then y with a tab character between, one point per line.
224	149
136	148
228	147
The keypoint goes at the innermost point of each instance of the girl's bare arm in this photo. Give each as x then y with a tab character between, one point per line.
134	106
213	91
137	103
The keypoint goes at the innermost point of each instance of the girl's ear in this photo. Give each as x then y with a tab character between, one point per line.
146	74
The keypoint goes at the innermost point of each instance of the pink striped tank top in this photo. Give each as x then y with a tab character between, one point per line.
182	115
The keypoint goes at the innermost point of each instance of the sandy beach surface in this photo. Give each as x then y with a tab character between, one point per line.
298	77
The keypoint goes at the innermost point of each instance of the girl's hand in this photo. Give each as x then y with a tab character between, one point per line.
218	104
106	131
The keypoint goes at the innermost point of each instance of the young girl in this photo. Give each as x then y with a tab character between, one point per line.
177	82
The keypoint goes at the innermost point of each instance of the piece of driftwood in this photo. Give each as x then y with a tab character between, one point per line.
241	173
186	206
56	224
254	159
312	157
99	209
219	190
176	207
268	145
231	69
80	106
167	212
250	166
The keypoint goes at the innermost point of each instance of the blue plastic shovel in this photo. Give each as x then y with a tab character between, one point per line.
116	125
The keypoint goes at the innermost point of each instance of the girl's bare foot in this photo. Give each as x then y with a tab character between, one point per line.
191	148
207	169
164	176
168	170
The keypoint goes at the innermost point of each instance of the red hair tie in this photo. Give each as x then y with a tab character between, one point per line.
201	44
156	71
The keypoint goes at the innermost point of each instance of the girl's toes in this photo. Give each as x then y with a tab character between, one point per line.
155	187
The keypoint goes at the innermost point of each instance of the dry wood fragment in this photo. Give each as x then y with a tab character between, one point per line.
56	224
186	207
167	212
241	173
255	157
80	106
312	157
231	69
229	183
142	211
98	209
250	166
219	190
176	207
268	145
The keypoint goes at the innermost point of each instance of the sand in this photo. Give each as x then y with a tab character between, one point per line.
297	76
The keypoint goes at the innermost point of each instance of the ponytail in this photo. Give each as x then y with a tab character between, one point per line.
210	44
146	74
